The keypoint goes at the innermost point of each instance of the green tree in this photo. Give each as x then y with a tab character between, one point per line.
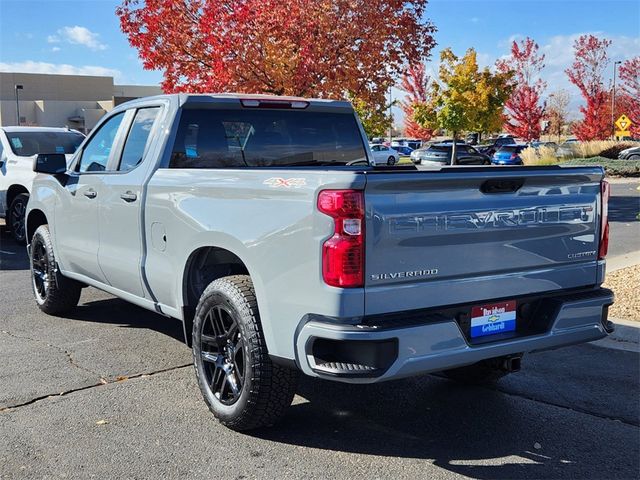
375	119
465	97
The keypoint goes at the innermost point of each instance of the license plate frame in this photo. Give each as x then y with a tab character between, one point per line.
493	319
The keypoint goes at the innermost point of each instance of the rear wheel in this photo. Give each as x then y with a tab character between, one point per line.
391	160
241	385
17	210
634	157
54	293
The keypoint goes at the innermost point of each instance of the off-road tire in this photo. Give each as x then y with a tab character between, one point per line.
481	373
61	293
16	213
267	389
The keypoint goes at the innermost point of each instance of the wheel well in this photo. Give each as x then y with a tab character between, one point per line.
13	192
205	265
36	218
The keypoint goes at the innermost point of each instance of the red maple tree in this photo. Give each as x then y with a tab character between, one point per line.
586	73
524	110
323	48
630	88
416	83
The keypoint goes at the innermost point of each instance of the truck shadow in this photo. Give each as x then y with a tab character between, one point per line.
473	431
114	311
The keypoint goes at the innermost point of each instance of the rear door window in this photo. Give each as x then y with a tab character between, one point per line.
137	139
217	138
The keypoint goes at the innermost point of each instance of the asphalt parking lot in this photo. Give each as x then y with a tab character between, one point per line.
109	392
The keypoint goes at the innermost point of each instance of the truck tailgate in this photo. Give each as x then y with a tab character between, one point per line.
459	235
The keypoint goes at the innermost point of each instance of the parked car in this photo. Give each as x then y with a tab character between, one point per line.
568	147
632	153
493	144
472	138
384	155
18	148
439	154
551	145
405	151
508	155
405	142
281	249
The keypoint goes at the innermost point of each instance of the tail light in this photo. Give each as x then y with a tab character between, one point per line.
604	220
343	253
514	156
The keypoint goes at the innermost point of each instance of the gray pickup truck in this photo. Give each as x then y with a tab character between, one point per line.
261	224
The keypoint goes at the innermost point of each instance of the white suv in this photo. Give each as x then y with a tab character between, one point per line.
18	147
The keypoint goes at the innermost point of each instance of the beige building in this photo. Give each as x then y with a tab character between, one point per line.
73	101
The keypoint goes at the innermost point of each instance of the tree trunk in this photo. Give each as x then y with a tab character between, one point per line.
454	149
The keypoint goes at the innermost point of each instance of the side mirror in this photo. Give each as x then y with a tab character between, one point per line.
51	163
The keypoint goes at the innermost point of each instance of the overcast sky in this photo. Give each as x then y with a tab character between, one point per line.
83	37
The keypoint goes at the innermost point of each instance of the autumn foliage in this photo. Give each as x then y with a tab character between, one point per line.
466	98
416	83
524	109
321	48
630	88
586	73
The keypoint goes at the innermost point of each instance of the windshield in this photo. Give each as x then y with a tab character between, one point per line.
510	149
212	138
26	144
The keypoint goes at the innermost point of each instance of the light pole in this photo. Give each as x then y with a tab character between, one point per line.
18	87
390	117
613	98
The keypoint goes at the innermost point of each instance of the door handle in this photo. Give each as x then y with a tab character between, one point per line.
91	193
129	196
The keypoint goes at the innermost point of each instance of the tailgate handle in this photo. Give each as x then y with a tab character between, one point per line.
502	185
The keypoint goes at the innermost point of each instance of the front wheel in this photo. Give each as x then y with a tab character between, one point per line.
17	210
54	293
391	160
243	388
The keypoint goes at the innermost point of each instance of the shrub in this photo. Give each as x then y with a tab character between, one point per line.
601	148
614	150
614	168
539	156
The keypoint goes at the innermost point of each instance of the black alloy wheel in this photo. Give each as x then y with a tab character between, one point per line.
222	351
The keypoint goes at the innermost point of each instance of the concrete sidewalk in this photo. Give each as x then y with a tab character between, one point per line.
623	261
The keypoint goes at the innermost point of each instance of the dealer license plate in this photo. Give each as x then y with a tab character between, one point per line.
493	319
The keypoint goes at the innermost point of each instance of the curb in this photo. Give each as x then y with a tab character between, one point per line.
623	261
626	336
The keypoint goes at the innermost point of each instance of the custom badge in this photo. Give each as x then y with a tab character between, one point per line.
277	182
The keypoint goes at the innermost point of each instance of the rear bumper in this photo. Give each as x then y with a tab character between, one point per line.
392	353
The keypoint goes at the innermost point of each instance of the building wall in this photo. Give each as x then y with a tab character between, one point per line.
74	101
55	87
